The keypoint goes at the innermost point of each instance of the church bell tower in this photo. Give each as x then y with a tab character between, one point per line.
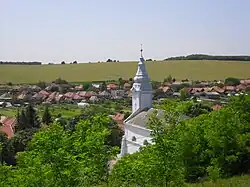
141	89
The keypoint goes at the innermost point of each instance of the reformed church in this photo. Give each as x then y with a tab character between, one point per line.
136	134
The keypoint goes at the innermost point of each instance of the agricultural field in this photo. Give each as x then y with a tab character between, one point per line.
158	70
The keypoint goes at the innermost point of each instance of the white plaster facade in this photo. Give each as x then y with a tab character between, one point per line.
135	130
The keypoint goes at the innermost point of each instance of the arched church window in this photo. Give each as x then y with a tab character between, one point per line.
145	142
133	138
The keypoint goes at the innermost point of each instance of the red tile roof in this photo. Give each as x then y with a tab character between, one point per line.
230	88
118	116
218	89
111	86
245	81
8	125
43	92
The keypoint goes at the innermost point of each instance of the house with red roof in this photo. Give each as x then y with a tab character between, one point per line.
111	86
7	125
119	119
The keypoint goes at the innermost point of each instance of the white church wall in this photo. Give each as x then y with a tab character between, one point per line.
140	134
132	147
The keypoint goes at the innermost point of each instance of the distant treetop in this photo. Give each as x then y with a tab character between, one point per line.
21	63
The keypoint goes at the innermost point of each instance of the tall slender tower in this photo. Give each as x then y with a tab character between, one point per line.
141	89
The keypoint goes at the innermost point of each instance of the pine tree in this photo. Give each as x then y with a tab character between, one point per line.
32	118
46	116
21	121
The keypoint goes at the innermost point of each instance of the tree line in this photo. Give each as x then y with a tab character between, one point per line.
210	57
21	63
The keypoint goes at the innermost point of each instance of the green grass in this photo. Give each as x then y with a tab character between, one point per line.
240	181
11	111
66	110
195	70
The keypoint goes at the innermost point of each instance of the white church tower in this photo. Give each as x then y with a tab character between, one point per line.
136	132
141	89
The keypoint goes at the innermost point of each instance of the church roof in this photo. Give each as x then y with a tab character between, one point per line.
142	118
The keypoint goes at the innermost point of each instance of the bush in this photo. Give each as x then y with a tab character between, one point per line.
231	81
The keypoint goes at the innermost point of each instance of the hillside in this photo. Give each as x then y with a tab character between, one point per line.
158	70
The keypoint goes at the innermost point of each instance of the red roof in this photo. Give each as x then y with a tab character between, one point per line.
8	125
118	116
230	88
245	81
43	92
111	86
77	97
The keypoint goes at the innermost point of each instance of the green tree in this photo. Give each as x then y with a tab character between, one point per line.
60	81
21	121
6	153
121	82
183	94
47	119
231	81
168	79
56	157
31	117
115	137
41	84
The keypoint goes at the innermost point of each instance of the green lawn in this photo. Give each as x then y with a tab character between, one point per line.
70	110
195	70
11	112
65	110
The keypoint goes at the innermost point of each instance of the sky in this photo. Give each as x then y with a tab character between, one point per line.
95	30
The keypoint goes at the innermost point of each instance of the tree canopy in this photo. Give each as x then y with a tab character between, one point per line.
57	157
212	144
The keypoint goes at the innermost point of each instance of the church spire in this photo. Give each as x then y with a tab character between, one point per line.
142	89
141	51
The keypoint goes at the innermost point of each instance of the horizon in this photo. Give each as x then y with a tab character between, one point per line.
92	31
124	61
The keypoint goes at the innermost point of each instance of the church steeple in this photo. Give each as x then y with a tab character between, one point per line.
142	89
141	51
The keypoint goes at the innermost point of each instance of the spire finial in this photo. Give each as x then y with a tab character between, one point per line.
141	50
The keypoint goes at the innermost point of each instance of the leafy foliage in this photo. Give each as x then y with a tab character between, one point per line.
213	145
231	81
47	118
57	157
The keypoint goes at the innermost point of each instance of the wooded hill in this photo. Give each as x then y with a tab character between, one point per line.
210	57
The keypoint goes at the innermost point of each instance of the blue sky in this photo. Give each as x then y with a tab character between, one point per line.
95	30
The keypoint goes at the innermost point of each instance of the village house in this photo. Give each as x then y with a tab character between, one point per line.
112	86
7	125
117	94
6	97
119	118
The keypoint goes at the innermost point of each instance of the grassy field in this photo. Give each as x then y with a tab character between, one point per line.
65	110
195	70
